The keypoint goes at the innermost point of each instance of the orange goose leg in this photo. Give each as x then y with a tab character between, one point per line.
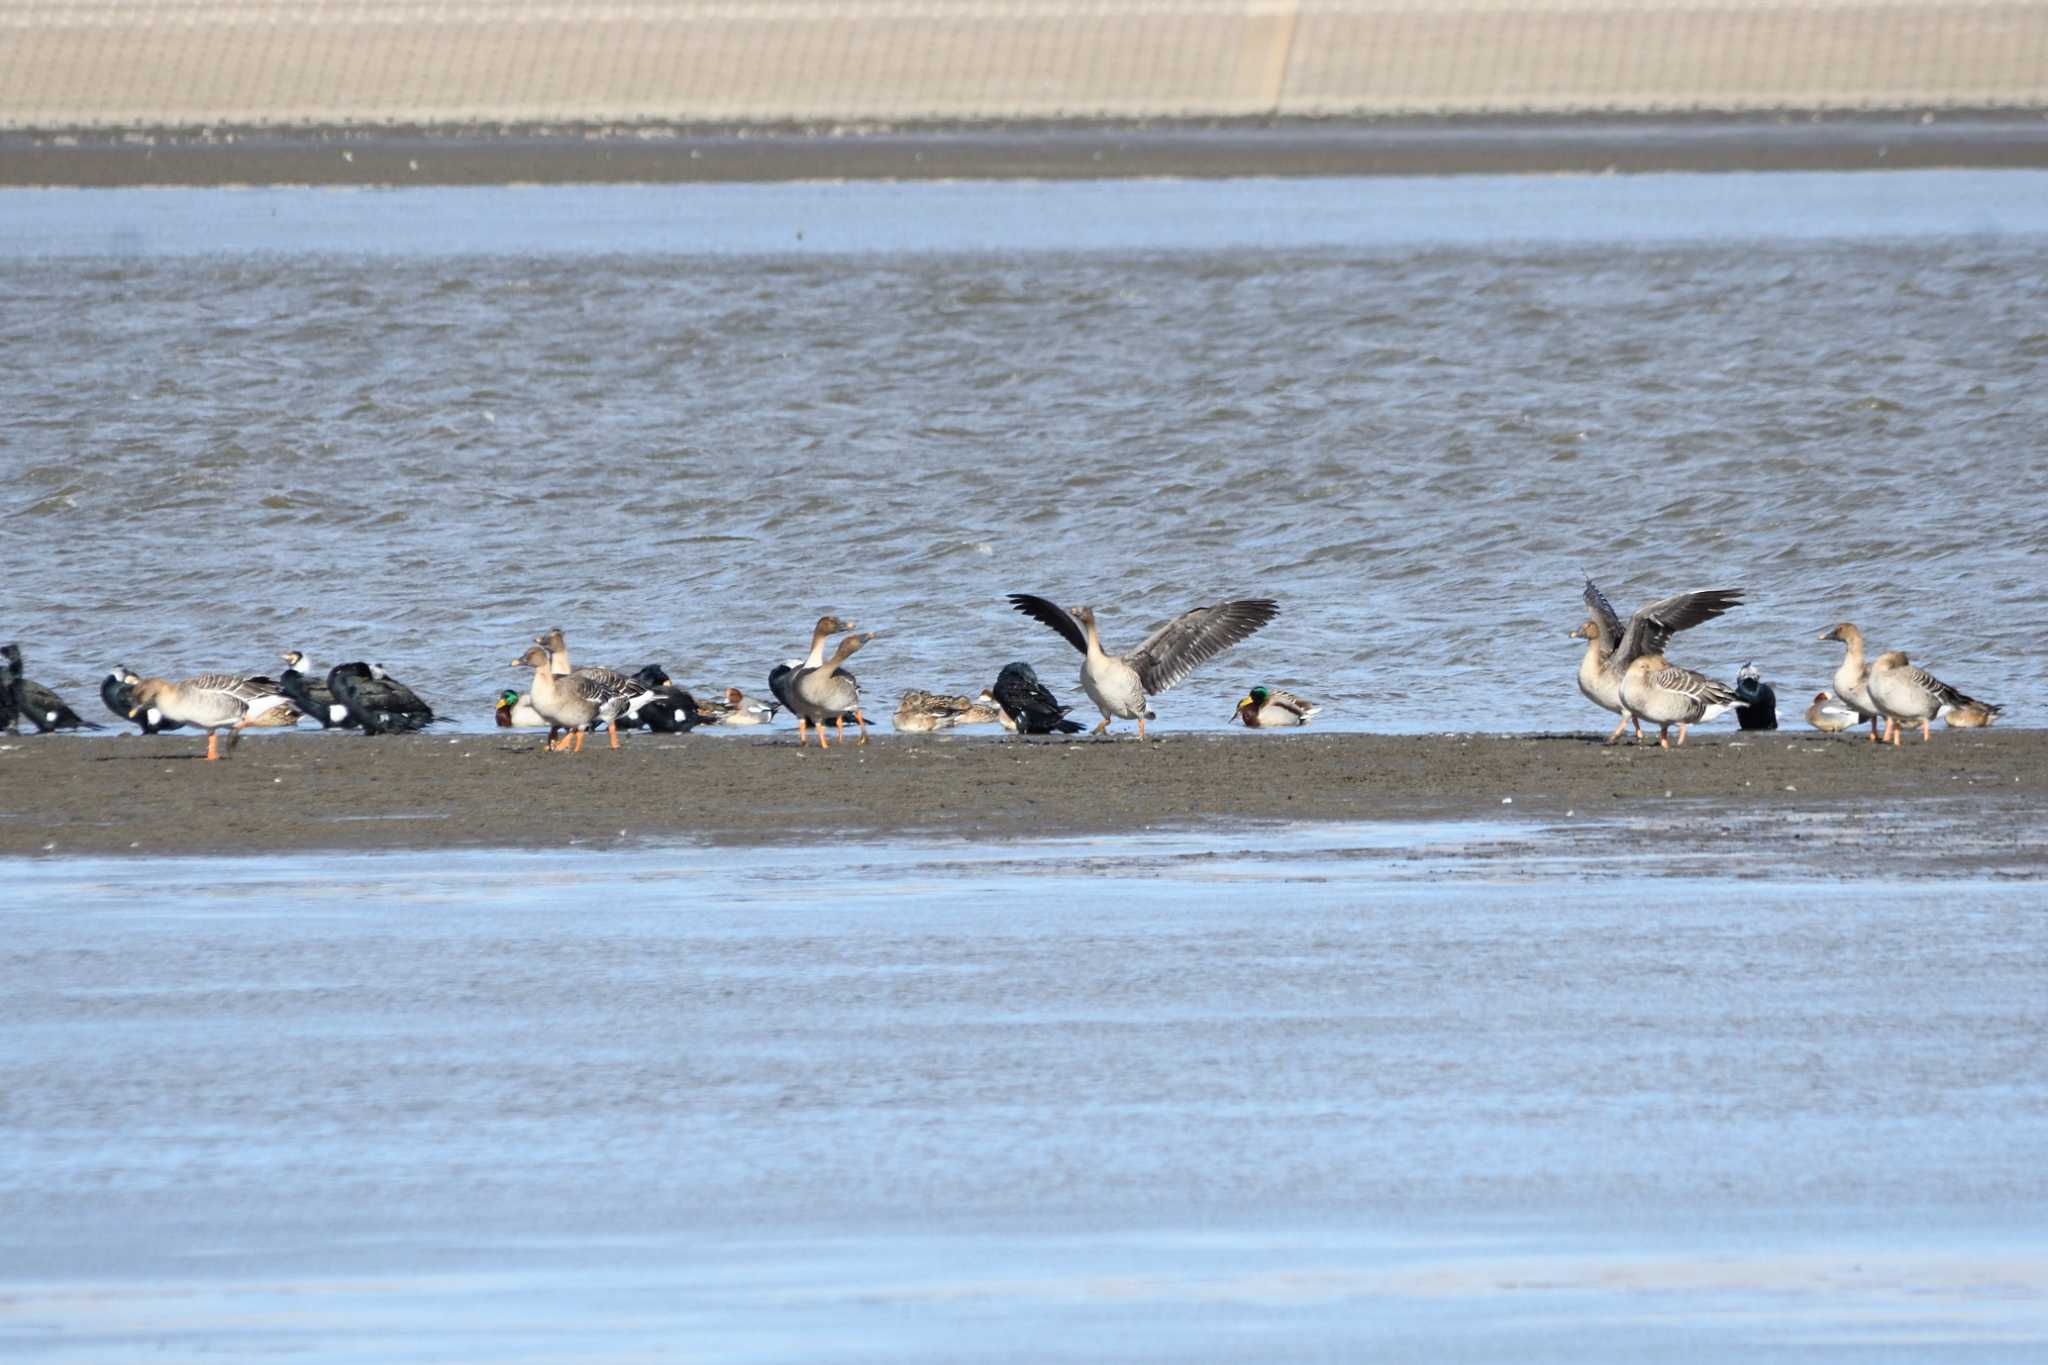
614	728
212	743
1681	736
862	722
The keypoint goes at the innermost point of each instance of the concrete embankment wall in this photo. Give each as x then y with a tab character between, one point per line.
192	63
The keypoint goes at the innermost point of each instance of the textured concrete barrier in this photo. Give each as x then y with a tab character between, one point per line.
186	63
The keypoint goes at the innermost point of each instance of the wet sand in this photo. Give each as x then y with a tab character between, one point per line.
1086	151
1967	801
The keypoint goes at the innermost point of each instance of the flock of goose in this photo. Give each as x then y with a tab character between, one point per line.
1623	669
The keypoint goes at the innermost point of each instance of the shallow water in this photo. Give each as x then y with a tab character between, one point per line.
1286	1094
418	426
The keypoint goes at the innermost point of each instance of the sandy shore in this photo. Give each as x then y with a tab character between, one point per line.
455	156
101	795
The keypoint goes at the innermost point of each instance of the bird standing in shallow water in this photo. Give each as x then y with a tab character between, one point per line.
1120	684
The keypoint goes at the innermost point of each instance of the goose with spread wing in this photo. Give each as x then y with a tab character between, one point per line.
1119	684
1611	647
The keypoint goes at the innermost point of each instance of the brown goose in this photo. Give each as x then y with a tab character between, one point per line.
1915	696
1119	684
1611	647
214	702
1666	695
1852	679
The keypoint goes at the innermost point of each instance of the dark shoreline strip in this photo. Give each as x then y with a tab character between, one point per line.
292	793
725	155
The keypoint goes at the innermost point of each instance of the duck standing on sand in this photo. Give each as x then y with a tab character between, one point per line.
737	708
920	713
1852	679
829	692
514	709
1756	703
214	702
33	702
1120	684
1611	647
1914	696
1830	716
1268	708
1025	706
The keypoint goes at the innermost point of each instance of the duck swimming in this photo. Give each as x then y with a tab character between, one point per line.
214	702
1025	706
1830	716
1268	708
1611	646
1852	679
1756	704
1120	685
1914	696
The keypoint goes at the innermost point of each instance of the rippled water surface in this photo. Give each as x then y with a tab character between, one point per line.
680	422
1278	1095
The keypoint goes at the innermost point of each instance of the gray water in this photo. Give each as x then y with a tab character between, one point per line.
418	426
1293	1094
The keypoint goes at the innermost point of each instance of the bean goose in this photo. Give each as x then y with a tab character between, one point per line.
1906	695
829	692
1120	684
1611	647
214	702
1667	695
1852	679
573	702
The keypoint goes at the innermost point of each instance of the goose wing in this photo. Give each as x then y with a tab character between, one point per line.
1604	615
1193	638
1698	686
1651	629
1934	687
1044	612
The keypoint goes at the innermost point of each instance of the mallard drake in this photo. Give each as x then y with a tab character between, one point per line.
737	708
1914	696
829	692
924	712
1611	646
35	703
214	702
1026	706
576	702
1852	679
377	702
1268	708
514	709
1830	716
1119	685
310	693
1756	703
1667	695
